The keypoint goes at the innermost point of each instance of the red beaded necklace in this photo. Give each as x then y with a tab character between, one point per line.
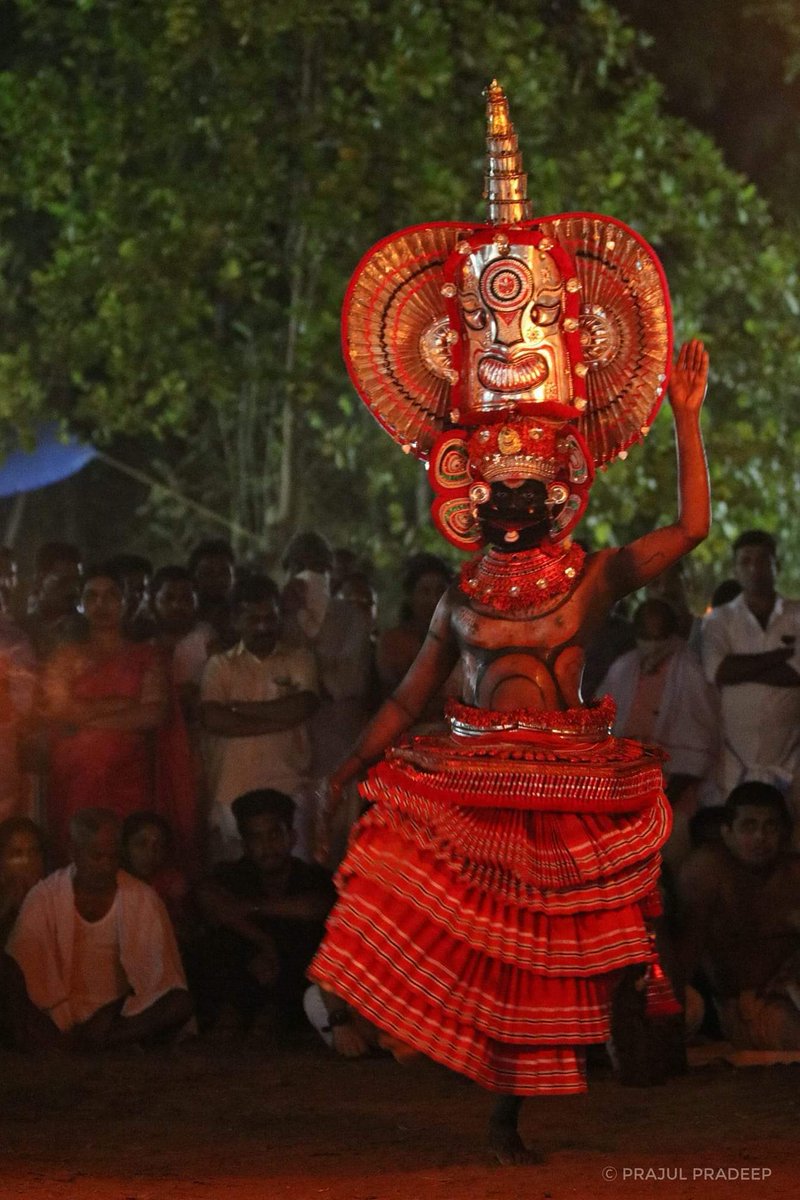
529	580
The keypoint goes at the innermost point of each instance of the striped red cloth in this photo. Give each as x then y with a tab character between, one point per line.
490	938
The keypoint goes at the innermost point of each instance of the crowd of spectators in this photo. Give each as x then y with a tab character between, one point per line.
721	697
164	740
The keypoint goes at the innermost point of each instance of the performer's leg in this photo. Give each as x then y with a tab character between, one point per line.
504	1140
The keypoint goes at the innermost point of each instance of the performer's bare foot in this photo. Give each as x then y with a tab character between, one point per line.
504	1140
401	1050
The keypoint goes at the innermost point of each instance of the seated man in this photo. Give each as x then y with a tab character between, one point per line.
739	907
266	913
98	960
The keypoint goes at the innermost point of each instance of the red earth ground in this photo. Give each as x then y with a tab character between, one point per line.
253	1123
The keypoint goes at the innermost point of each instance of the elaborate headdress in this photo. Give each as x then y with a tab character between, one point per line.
522	348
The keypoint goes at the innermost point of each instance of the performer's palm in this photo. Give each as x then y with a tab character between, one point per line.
689	379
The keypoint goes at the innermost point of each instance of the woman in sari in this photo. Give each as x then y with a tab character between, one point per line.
102	700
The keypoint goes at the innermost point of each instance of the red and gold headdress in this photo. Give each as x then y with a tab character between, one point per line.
522	348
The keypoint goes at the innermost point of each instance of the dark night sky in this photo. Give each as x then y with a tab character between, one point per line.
723	70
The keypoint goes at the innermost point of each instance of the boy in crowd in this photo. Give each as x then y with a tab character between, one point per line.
266	914
739	906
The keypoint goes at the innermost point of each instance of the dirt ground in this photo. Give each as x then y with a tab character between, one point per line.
299	1124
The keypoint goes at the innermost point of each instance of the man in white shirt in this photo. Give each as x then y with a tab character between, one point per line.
255	702
750	651
98	961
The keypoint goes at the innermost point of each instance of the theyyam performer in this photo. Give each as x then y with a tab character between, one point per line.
505	873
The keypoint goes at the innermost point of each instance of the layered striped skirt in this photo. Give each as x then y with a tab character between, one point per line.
493	892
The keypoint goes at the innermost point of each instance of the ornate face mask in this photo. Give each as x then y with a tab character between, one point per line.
561	325
513	350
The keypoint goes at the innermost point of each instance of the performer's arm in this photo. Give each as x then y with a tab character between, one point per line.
424	678
636	564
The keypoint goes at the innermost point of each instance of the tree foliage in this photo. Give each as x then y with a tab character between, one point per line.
186	187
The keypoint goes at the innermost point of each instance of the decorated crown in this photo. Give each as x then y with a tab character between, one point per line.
517	449
450	327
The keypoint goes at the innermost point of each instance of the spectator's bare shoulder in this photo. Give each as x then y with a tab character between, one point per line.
704	870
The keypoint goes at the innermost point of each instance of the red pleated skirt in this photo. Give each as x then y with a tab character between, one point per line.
489	934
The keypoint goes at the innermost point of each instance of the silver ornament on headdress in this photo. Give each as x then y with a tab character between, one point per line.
505	184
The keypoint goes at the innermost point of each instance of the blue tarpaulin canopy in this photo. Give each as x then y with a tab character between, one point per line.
54	458
50	460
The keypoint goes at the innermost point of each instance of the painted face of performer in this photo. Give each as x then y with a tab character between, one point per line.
511	304
515	518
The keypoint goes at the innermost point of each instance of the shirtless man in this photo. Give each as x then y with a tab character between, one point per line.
515	661
740	920
506	874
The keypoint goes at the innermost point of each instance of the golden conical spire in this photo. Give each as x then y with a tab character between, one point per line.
505	186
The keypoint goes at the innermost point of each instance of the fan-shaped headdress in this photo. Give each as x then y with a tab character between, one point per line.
519	348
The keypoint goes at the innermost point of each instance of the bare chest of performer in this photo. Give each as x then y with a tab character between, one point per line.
528	659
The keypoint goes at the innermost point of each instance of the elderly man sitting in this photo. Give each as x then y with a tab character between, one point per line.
96	952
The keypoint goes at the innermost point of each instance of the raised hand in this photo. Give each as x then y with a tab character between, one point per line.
689	379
